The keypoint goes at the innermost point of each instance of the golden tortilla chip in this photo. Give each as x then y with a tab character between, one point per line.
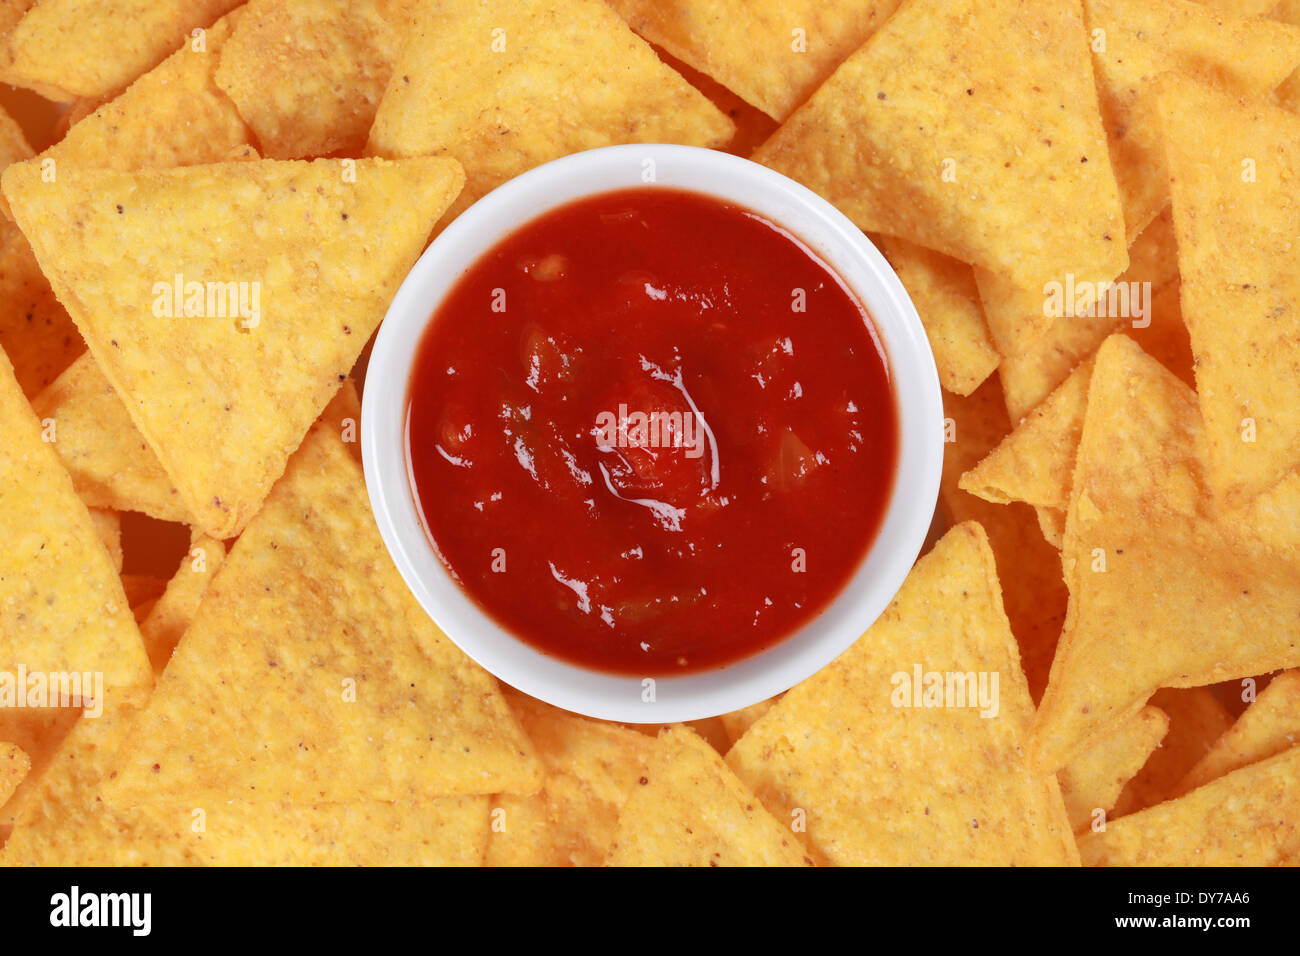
1162	594
1268	726
174	115
171	616
881	776
479	84
1093	780
1248	818
307	75
590	769
970	127
773	53
1142	39
14	765
62	609
1196	721
688	809
111	464
35	330
753	126
944	293
1033	591
39	734
311	674
64	49
738	721
1233	164
267	256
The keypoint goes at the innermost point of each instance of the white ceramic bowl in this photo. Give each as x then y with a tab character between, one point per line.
822	228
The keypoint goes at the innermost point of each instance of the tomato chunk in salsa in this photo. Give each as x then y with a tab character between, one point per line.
651	433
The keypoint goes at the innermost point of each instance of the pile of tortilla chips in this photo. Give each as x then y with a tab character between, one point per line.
207	656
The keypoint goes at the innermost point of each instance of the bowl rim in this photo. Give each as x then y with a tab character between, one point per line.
844	249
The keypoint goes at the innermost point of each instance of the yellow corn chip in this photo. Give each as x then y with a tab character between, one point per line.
1139	619
38	733
35	331
969	127
1033	591
1143	39
1268	726
14	765
753	126
62	609
1093	780
169	618
944	293
317	680
773	53
1196	721
307	75
227	328
590	770
1232	165
111	464
174	115
1248	818
688	809
64	49
479	83
885	778
739	721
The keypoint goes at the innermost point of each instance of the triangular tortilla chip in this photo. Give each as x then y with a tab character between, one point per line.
62	608
313	252
111	464
483	84
39	734
774	53
1141	39
753	126
1093	780
1196	720
590	768
1251	817
1233	166
737	722
174	611
970	127
688	809
1161	593
14	765
311	674
1268	726
64	49
325	64
884	781
944	293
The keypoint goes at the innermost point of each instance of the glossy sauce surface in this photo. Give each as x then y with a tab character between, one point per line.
651	433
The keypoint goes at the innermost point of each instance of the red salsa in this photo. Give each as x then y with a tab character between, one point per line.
651	433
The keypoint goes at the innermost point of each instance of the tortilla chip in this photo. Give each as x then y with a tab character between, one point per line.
111	464
108	525
773	53
1033	591
1196	721
688	809
1144	39
61	603
1268	726
35	331
883	782
1236	241
479	83
64	49
174	115
14	765
1248	818
739	721
169	618
38	732
311	674
753	126
223	399
971	128
1093	780
1182	599
590	770
307	75
944	293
